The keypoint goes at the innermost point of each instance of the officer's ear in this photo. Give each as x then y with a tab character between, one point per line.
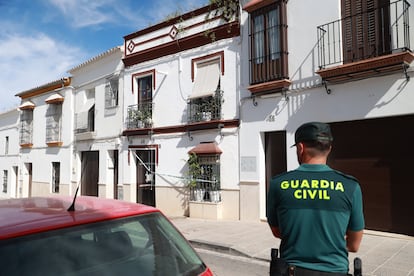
300	150
300	147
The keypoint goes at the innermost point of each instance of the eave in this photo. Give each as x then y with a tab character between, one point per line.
63	82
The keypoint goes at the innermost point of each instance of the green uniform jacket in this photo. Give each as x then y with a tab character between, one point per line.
314	206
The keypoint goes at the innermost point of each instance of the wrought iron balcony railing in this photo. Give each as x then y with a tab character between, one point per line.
139	116
364	33
206	108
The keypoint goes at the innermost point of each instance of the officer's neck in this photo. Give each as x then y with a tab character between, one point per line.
321	160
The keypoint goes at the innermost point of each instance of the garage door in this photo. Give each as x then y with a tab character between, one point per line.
379	152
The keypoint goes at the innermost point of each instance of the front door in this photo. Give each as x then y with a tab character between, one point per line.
115	161
145	160
29	178
275	154
90	173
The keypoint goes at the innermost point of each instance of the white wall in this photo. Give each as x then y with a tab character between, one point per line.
41	155
307	99
9	122
172	88
106	137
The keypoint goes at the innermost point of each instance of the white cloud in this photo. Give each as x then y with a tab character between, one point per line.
28	61
160	9
30	57
85	13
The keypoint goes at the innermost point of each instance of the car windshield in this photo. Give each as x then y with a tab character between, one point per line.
141	245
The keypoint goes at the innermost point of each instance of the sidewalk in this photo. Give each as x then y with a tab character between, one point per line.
382	254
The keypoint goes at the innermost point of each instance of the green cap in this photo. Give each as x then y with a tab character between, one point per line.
313	131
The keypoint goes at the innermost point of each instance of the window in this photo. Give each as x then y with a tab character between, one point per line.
207	178
111	93
26	127
85	115
5	180
140	115
366	29
205	101
204	171
145	89
55	177
91	119
53	123
268	43
146	244
6	146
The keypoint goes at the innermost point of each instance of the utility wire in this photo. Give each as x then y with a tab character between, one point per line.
169	175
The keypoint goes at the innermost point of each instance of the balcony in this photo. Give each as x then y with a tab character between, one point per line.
139	116
365	43
205	109
203	113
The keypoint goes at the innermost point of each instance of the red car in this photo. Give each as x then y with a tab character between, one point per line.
94	236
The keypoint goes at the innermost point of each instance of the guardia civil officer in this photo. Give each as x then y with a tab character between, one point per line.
315	211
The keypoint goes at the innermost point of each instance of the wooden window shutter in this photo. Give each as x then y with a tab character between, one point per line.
347	31
365	29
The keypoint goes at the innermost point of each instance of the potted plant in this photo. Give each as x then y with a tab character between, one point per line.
140	118
135	117
214	193
148	122
194	171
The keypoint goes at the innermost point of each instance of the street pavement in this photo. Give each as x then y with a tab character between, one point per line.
382	254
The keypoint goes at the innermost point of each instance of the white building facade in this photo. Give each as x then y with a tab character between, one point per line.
97	112
9	154
45	139
348	64
181	85
230	89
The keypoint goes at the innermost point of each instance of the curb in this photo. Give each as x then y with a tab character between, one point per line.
222	248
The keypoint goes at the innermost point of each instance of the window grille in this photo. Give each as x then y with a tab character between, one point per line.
26	126
268	53
111	93
5	180
55	177
53	123
208	179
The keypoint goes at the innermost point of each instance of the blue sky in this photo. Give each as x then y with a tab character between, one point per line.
40	40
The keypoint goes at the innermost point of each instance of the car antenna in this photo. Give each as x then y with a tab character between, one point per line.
72	206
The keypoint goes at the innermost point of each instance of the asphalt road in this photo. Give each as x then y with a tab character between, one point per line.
226	265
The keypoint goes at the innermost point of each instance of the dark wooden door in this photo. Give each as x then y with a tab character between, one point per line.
90	173
145	160
275	154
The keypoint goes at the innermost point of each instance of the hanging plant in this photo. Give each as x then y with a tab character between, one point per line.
194	170
225	8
